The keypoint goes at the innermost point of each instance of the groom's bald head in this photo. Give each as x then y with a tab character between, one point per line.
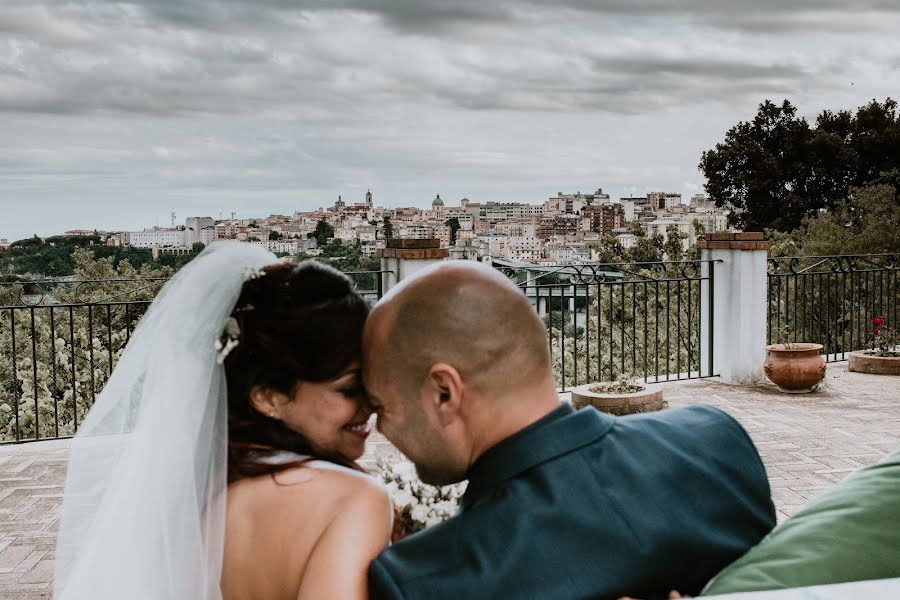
467	315
453	360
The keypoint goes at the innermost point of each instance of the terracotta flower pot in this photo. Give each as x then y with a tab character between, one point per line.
647	400
864	362
795	369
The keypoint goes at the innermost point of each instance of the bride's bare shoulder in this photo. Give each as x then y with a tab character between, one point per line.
338	480
304	485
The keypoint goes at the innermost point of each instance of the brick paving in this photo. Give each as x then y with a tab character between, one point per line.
808	443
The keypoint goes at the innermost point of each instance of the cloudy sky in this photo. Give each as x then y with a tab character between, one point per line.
113	114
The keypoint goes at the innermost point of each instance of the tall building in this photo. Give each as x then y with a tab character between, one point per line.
199	229
603	218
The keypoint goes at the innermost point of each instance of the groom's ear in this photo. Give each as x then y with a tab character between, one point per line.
446	391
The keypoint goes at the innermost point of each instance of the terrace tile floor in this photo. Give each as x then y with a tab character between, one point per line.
808	443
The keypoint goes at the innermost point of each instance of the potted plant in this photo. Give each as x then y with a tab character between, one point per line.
883	358
624	396
796	368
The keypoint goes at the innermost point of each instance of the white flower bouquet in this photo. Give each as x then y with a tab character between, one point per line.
417	505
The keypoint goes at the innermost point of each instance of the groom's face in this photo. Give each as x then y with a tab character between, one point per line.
405	419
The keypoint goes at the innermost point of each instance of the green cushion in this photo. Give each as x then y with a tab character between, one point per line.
850	533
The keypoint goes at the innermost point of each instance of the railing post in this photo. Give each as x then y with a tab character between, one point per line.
734	331
407	257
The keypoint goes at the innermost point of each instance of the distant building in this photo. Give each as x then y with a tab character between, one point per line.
571	204
4	244
561	225
162	238
199	229
603	218
524	248
663	200
702	202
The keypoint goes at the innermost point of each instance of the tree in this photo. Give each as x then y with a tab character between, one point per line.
609	250
274	236
197	247
777	170
699	228
453	224
635	228
648	249
864	223
761	170
71	352
388	228
322	233
674	244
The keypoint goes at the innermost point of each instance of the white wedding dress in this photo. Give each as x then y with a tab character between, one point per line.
143	515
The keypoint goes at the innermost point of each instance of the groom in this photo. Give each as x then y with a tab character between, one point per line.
560	504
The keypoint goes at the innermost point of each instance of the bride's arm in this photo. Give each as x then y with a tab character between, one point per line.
340	560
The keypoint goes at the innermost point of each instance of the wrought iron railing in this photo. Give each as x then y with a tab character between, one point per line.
649	321
831	300
59	342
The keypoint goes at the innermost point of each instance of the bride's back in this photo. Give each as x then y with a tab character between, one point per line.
296	534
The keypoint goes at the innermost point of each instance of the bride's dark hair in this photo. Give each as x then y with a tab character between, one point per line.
299	322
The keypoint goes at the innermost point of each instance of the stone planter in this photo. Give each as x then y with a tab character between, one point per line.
863	362
795	369
647	400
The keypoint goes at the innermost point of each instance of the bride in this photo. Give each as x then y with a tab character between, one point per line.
219	460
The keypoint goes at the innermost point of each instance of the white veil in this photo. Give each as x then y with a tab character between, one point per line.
143	515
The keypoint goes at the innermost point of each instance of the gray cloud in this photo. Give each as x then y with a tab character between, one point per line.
231	104
127	62
417	16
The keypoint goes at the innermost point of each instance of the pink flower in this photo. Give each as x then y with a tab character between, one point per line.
878	322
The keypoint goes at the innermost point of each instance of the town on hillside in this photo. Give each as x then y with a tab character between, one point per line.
562	229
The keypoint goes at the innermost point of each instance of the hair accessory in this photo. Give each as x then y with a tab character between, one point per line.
256	274
229	339
231	334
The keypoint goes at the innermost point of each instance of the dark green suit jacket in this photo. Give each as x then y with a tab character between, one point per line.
585	505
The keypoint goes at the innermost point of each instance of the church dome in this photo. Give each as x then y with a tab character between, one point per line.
437	201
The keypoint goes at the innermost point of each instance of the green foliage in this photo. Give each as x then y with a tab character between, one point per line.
609	250
648	249
388	228
867	222
777	170
674	244
637	329
635	228
274	236
350	258
64	354
322	233
52	257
